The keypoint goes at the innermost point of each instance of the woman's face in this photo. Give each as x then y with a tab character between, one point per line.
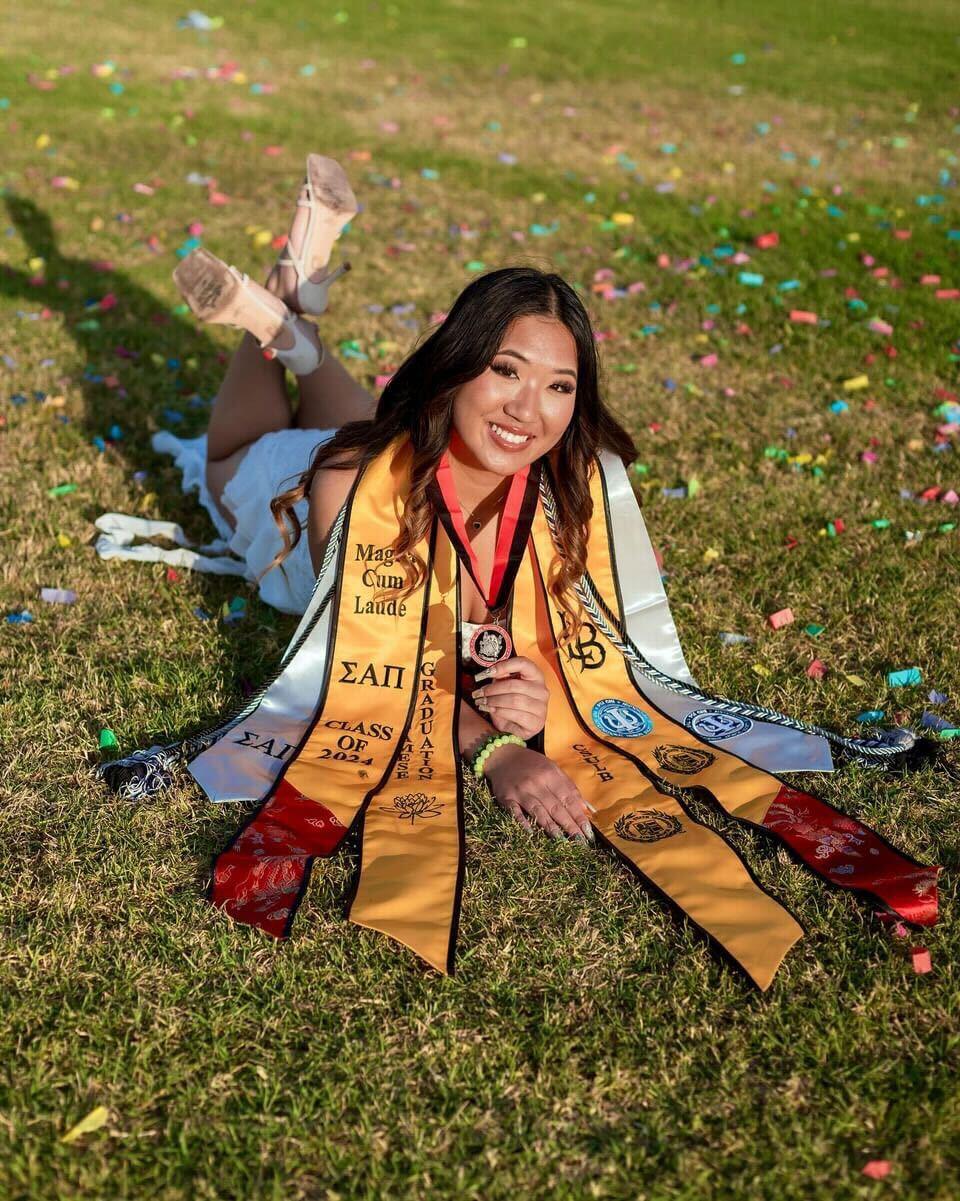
528	390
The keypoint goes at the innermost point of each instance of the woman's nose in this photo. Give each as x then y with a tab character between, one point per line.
523	403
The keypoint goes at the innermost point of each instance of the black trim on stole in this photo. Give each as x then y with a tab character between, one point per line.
318	712
518	543
458	784
674	908
770	833
356	826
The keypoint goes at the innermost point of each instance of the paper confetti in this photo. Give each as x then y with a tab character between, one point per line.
877	1169
902	679
920	958
783	617
95	1120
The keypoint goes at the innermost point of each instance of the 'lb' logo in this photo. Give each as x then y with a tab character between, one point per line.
716	726
589	652
684	760
646	825
620	719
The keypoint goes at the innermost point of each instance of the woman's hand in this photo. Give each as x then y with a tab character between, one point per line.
513	696
529	785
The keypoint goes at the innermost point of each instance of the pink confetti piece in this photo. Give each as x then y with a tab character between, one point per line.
877	326
144	189
766	241
709	360
947	293
928	281
817	670
381	381
803	317
920	957
108	302
877	1169
783	617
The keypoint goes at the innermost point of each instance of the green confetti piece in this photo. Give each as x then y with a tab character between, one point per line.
62	489
947	735
108	741
881	523
476	265
813	629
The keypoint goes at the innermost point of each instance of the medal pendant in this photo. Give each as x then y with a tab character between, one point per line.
489	644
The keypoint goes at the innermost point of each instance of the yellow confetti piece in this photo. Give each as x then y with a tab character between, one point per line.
93	1121
42	142
856	382
761	670
853	236
64	541
54	402
538	197
36	264
148	499
623	218
262	237
916	444
858	680
711	554
96	224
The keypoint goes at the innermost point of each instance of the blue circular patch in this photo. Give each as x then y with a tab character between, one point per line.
620	719
715	726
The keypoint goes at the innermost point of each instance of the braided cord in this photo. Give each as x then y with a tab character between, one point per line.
875	752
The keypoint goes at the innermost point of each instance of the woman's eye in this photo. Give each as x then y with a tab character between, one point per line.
507	369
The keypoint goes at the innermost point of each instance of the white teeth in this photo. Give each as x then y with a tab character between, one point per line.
519	439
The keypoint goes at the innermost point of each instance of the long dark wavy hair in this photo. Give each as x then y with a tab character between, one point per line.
418	401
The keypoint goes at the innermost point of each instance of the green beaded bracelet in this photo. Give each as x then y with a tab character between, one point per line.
490	743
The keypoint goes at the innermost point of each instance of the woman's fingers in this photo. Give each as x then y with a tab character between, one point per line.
518	666
529	688
513	808
544	818
512	721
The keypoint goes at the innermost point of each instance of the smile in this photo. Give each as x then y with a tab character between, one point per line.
505	438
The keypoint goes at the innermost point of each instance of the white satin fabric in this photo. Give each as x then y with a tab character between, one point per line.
652	630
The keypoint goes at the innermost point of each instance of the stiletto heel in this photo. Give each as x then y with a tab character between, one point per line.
221	295
332	205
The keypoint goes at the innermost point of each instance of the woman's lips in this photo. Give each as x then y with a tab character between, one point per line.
503	443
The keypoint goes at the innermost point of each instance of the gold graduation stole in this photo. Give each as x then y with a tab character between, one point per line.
381	759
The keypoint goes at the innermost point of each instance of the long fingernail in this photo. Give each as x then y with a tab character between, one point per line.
587	831
484	675
592	808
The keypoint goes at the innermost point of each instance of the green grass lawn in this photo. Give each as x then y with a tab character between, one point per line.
588	1047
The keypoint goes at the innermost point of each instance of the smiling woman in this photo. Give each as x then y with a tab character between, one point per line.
477	559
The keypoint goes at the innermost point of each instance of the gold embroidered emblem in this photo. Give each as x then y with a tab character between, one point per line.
646	825
684	760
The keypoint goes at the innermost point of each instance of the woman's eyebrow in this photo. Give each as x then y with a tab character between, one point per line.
517	355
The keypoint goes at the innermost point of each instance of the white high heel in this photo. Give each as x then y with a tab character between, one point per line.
302	358
332	205
217	293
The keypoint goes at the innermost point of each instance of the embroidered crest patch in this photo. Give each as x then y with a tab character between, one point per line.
646	825
685	760
620	719
716	726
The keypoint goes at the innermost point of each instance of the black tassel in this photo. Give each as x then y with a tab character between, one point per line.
141	774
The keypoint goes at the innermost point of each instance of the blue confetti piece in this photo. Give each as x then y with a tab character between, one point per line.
870	717
19	619
903	679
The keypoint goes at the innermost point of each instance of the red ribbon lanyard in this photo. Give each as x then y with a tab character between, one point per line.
511	512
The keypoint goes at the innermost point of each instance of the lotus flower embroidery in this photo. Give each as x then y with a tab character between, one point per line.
414	805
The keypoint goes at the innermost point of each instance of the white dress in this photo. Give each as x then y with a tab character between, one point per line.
272	465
